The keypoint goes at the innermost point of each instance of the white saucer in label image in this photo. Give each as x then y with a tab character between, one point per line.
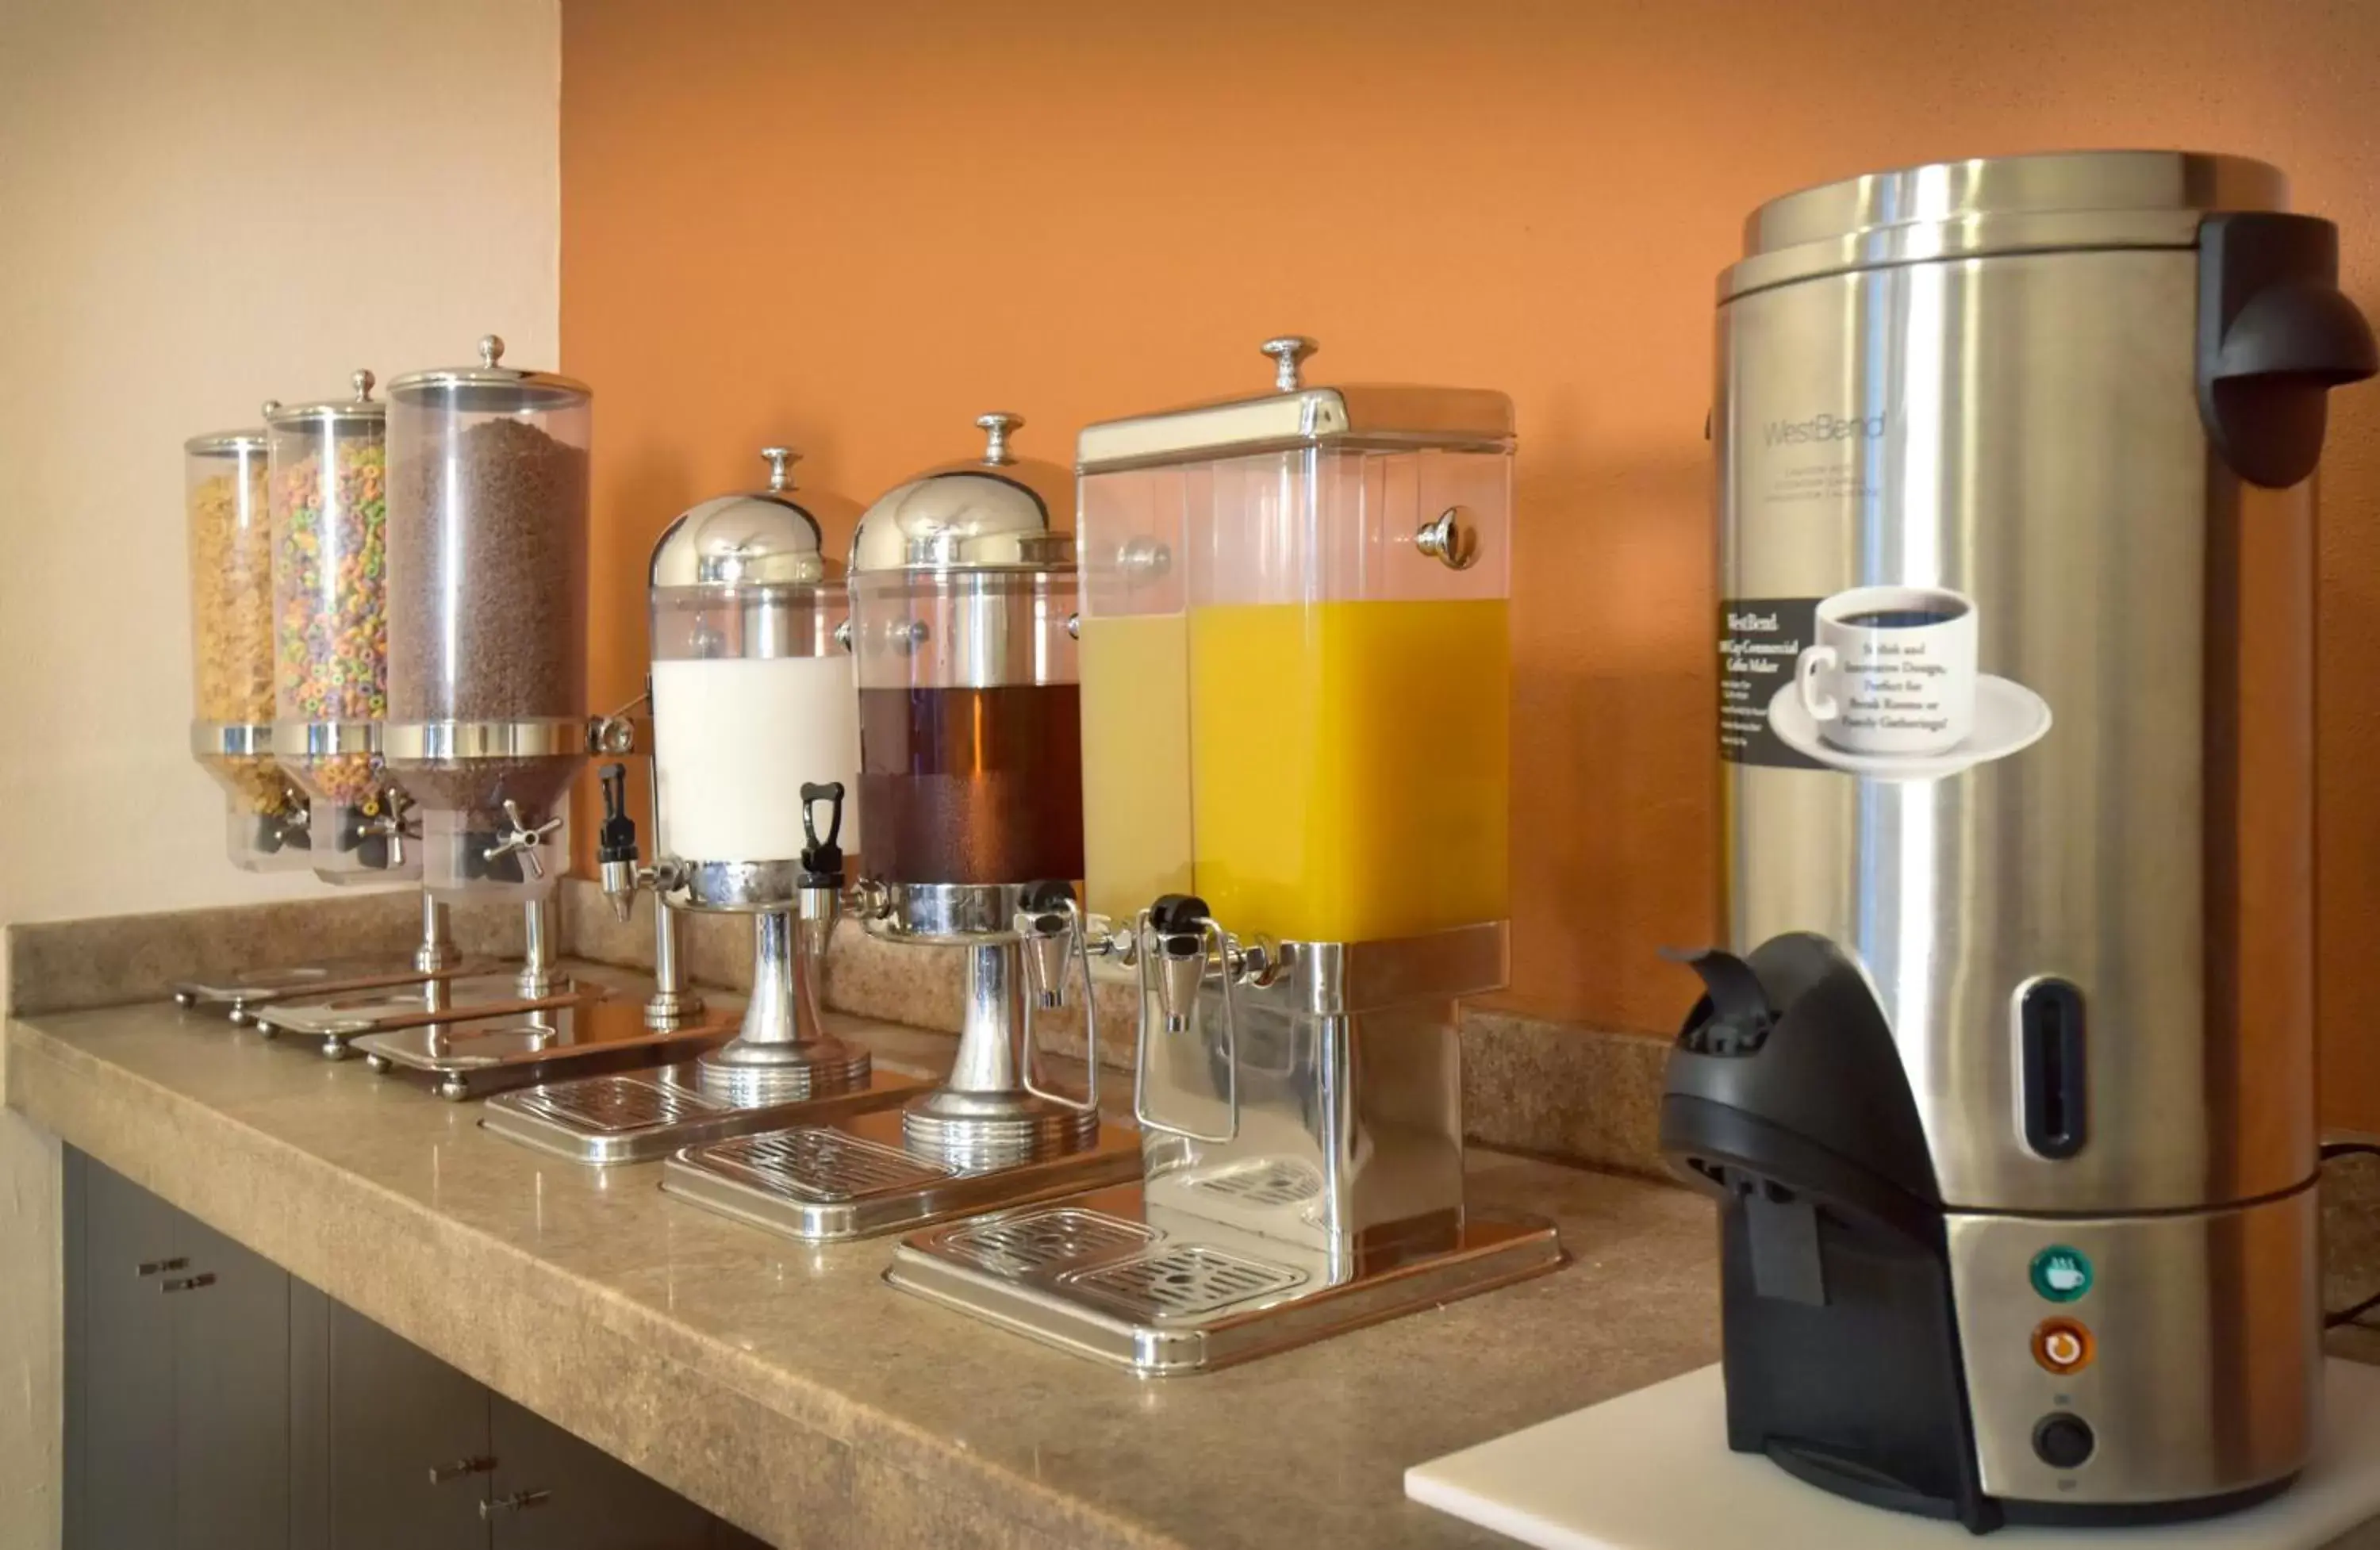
2009	717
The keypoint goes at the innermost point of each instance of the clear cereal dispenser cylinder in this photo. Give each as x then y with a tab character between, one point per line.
487	586
328	488
231	650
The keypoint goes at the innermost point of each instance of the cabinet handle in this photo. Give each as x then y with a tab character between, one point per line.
441	1474
159	1266
518	1501
187	1283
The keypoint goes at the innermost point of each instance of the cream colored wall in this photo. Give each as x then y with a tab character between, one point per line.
203	205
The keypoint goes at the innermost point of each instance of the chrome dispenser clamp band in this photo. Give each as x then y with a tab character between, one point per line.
943	912
325	739
1339	979
440	741
738	887
235	740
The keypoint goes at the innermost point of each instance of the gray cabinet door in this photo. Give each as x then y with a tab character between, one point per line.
231	1396
554	1492
123	1481
395	1415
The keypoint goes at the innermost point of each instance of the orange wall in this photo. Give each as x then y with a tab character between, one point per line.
857	225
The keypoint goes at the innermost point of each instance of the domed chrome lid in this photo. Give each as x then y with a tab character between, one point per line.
227	443
361	415
488	388
761	539
991	514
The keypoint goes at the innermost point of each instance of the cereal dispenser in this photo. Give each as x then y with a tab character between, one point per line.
1295	682
970	795
327	483
755	747
231	651
487	576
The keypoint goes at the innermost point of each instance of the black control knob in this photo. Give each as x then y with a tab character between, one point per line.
2064	1442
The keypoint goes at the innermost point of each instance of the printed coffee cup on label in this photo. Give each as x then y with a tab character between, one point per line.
1892	671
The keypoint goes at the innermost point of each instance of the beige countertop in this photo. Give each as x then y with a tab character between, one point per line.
785	1387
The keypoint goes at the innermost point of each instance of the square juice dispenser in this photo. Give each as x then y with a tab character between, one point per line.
1296	680
962	635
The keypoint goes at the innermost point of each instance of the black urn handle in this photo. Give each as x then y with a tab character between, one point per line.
2274	335
617	841
822	858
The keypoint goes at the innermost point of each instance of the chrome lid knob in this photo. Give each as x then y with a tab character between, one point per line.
1287	352
491	350
781	463
267	407
363	381
996	427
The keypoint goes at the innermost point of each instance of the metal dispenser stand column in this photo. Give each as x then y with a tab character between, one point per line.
752	704
970	799
1319	695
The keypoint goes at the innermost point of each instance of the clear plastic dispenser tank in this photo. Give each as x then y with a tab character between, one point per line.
487	581
328	493
756	751
231	650
1295	686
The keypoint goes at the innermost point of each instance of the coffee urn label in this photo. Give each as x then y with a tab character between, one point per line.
1886	682
1759	641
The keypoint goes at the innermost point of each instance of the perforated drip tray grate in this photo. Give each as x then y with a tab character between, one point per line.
1177	1292
1029	1241
645	1116
1181	1282
1264	1183
612	1105
854	1177
821	1164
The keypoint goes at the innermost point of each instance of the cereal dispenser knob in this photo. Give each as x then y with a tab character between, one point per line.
491	350
996	427
1288	353
363	381
781	463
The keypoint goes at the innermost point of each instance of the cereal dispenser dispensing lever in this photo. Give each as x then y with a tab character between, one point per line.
970	788
755	747
1295	681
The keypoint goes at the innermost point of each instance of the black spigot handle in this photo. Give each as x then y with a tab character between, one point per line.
1048	897
1735	1003
617	838
822	859
1176	912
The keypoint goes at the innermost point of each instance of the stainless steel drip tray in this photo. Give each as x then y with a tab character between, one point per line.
855	1177
632	1117
523	1045
342	1017
1096	1275
253	987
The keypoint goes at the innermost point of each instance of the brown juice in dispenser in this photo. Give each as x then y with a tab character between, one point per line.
972	785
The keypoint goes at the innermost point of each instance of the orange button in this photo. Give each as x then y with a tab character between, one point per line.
2063	1345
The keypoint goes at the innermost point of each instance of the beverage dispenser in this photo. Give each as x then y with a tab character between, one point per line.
2004	1074
231	651
970	802
1296	678
486	579
756	749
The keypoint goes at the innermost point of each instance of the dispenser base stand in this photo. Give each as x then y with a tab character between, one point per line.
856	1178
532	1042
634	1117
1169	1293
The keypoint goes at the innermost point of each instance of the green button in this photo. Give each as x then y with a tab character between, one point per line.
2062	1274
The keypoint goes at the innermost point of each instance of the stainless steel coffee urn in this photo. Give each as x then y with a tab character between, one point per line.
2004	1076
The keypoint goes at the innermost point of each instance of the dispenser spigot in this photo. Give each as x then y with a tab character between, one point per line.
615	843
1179	924
1046	920
821	879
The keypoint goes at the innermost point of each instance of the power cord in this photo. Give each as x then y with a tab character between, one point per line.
2330	1152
